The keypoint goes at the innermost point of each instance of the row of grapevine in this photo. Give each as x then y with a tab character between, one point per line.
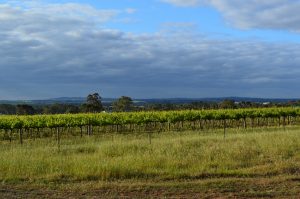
140	118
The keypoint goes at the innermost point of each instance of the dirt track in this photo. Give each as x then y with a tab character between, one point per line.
228	188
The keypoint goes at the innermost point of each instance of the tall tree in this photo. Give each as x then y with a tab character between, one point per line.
124	103
93	103
227	104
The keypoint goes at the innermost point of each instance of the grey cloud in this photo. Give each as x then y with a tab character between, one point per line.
43	55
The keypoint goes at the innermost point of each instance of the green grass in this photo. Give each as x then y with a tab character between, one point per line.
169	156
175	157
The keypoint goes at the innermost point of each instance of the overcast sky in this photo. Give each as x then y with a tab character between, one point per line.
150	48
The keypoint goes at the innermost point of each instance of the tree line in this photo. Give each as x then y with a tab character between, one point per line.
93	104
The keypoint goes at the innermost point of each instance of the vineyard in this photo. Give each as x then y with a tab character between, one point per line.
179	152
37	126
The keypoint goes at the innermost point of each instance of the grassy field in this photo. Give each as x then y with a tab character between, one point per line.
248	163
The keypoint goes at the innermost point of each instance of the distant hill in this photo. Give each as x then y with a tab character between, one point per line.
80	100
218	99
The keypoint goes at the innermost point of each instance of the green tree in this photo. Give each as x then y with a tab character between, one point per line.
124	104
7	109
60	108
227	104
24	109
93	104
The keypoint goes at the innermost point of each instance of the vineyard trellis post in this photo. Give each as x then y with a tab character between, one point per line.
224	122
58	137
11	135
245	122
21	136
150	137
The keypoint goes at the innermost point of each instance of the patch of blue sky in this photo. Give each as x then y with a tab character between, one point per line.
152	16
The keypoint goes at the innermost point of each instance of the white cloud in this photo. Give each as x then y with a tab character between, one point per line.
75	11
185	3
261	14
130	10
